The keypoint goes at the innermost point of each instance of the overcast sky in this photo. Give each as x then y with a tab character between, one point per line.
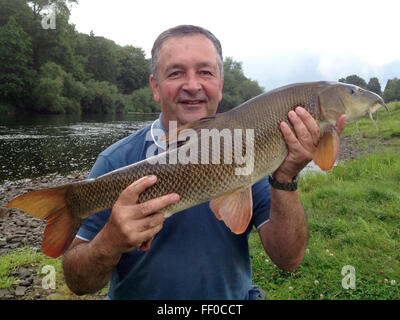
279	42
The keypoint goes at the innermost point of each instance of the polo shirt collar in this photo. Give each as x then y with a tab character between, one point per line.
155	130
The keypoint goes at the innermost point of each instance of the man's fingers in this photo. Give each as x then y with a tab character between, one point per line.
148	235
142	184
309	123
154	205
302	133
288	134
340	124
130	195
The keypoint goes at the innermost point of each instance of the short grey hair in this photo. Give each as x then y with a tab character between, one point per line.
181	31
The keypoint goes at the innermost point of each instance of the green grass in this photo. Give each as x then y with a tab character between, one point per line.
388	125
353	214
29	259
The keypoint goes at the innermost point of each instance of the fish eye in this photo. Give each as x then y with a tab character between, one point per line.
360	90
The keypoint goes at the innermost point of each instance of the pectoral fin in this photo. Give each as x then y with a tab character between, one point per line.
327	150
235	209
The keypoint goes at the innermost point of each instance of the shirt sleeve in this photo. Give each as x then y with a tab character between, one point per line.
96	222
261	202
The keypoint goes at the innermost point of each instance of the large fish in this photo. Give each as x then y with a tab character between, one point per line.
202	178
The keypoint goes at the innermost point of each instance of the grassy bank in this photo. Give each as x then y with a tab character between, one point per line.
353	214
354	220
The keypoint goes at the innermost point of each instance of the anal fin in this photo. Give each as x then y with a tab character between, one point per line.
235	209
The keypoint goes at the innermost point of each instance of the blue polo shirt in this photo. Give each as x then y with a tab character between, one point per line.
194	256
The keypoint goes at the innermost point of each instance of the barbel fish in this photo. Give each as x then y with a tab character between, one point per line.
197	181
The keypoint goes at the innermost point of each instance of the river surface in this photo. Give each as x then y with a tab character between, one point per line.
37	145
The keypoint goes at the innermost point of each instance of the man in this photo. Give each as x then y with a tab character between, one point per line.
191	255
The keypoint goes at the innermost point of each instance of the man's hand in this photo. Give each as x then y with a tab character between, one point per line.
133	225
302	143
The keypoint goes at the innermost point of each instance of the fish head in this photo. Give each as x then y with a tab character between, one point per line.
338	98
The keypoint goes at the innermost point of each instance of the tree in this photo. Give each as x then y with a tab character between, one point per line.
56	91
134	69
143	101
101	54
392	90
237	88
16	72
374	86
354	79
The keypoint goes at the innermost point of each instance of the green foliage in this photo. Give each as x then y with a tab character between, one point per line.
237	88
392	90
142	101
101	55
354	79
134	69
374	86
16	73
102	97
62	71
57	91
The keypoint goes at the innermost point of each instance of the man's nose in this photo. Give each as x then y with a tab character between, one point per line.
192	84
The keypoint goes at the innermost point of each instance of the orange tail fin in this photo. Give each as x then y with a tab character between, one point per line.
50	205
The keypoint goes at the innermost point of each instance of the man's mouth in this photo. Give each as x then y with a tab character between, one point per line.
191	102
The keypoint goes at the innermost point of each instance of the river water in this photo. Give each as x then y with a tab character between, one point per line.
37	145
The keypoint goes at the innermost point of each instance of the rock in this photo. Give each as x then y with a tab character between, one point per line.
4	293
24	273
26	283
20	291
3	212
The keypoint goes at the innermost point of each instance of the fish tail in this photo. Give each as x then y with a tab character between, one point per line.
50	205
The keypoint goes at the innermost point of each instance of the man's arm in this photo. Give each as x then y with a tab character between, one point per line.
284	236
88	265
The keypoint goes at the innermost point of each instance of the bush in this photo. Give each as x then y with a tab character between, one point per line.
103	97
57	91
143	101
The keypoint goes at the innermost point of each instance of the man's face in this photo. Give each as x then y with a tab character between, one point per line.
189	85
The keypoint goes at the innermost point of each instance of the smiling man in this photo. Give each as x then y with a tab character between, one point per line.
187	78
191	255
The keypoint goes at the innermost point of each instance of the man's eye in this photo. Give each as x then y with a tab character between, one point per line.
206	72
174	74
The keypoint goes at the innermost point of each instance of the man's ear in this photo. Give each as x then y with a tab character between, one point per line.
154	86
221	87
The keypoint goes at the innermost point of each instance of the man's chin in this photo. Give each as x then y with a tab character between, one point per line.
192	115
